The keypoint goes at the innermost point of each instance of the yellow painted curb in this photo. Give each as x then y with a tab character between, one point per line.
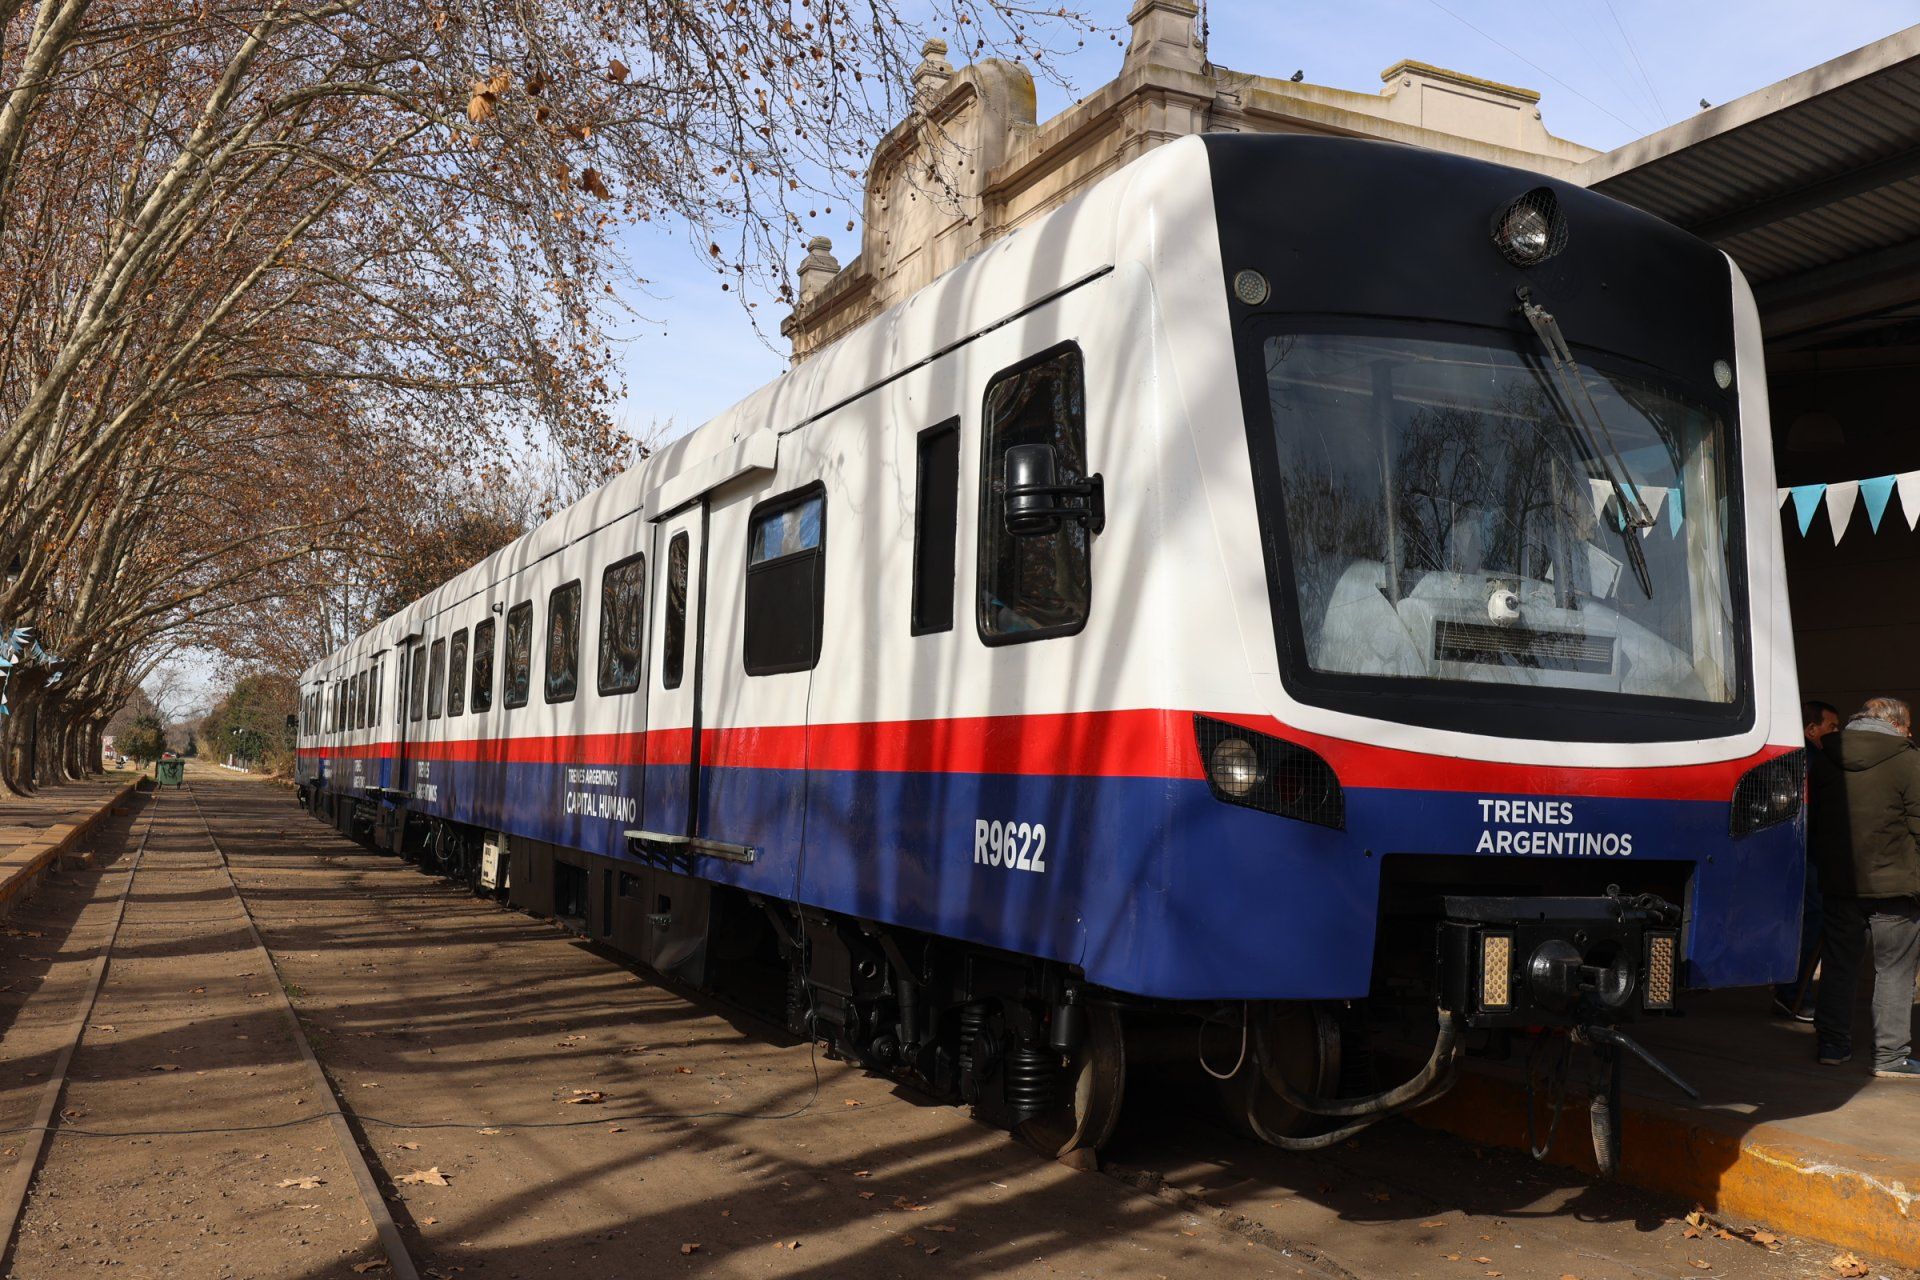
1758	1172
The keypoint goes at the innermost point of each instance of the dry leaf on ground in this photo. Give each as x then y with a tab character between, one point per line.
376	1264
683	1071
306	1182
424	1177
489	1132
1428	1226
164	1066
584	1097
691	1246
1765	1239
1699	1264
1848	1265
906	1204
407	1146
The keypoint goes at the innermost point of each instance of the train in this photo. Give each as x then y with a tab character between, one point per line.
1303	588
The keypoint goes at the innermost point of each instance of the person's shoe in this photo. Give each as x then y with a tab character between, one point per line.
1832	1055
1781	1009
1908	1069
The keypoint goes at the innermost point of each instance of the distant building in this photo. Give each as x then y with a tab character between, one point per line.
970	163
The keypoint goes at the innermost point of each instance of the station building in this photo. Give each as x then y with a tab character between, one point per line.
1812	185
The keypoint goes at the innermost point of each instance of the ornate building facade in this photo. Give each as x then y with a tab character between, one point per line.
970	163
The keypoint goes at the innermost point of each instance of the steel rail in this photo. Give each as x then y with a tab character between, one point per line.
19	1181
377	1213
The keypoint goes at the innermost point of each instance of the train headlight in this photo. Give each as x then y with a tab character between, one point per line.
1270	774
1235	766
1768	794
1531	229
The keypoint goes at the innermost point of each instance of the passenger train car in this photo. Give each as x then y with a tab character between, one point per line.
1299	580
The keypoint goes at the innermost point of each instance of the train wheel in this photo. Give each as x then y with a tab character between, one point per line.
1095	1080
1301	1042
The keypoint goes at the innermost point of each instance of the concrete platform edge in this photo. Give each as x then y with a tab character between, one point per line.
32	860
1757	1172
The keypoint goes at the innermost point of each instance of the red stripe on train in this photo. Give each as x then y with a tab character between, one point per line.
1115	744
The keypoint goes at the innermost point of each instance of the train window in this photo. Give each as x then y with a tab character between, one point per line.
1034	584
457	673
936	517
563	642
379	672
360	701
483	667
623	591
417	693
400	688
436	679
519	680
786	582
673	646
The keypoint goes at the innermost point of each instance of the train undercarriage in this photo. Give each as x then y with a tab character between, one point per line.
1026	1043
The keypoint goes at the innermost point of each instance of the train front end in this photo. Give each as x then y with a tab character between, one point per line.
1531	740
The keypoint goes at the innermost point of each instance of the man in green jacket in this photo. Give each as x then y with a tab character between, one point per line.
1866	838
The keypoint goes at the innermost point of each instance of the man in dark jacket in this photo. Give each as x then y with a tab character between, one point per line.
1868	850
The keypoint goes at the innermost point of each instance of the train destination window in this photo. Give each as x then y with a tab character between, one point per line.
1036	582
936	519
563	642
417	694
623	591
786	582
519	679
673	646
457	673
436	679
483	667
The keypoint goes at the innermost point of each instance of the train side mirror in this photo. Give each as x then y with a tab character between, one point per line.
1036	502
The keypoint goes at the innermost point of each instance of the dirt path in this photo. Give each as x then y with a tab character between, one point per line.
458	1032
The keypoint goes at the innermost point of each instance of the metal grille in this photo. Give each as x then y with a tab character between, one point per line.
1496	970
1519	646
1540	201
1768	794
1293	781
1662	953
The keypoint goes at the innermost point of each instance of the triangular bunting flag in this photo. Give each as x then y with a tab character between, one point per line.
1652	497
1806	501
1908	485
1675	516
1783	499
1876	491
1841	495
1602	490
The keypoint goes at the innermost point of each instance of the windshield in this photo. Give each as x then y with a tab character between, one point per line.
1445	520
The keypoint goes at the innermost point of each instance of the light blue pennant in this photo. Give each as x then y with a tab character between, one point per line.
1674	515
1876	491
1806	501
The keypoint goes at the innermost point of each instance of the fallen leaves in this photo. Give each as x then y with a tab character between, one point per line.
424	1178
489	1132
907	1204
585	1098
306	1182
1429	1226
375	1264
407	1146
164	1066
691	1246
1848	1265
1699	1264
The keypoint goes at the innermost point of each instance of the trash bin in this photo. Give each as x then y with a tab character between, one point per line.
169	773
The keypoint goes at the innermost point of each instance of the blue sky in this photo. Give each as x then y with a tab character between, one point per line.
1608	71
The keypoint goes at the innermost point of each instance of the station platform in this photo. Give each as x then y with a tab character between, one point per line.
1776	1140
37	831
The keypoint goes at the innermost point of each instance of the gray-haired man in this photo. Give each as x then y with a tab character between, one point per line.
1870	880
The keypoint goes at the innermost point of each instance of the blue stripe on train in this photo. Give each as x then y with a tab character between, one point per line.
1152	885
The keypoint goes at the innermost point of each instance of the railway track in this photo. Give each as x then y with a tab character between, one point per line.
49	1123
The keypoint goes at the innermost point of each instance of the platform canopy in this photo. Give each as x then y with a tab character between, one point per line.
1812	185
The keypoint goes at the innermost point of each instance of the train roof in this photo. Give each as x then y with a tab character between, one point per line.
1057	249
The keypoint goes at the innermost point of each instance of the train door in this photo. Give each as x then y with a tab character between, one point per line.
399	787
671	781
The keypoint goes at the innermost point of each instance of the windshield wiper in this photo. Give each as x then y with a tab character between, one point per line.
1590	432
